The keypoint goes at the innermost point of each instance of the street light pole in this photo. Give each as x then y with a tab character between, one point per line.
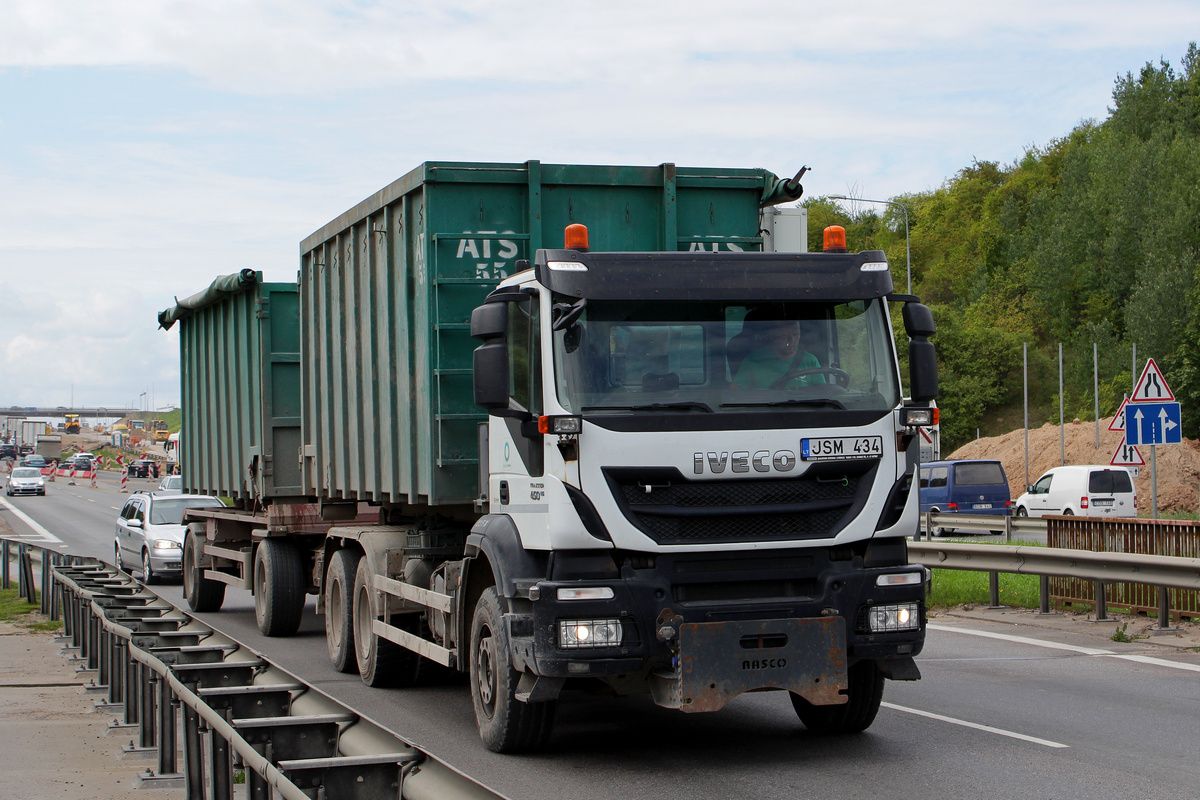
902	207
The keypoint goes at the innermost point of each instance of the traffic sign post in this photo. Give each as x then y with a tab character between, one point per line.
1152	386
1152	417
1127	456
1153	423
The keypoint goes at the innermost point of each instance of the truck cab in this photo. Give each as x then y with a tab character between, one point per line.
650	507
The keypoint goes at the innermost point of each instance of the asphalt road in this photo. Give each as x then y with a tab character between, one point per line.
1058	716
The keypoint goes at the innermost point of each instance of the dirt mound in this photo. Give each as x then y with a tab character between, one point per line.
1178	464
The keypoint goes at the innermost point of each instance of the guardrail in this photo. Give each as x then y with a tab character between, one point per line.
932	521
155	663
1101	568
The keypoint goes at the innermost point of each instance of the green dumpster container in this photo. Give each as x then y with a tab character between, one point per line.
387	291
240	383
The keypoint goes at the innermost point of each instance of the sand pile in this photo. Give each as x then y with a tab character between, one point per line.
1178	464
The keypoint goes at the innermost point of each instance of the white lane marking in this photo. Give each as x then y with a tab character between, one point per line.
1007	637
31	522
975	725
1088	651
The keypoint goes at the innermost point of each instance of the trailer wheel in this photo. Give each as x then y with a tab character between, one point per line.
856	714
381	662
202	594
339	610
278	588
506	725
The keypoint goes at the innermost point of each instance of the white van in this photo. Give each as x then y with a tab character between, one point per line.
1090	490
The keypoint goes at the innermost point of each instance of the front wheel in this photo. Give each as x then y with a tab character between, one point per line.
865	693
148	576
278	588
506	725
1021	512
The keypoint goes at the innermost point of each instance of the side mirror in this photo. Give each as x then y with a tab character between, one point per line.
490	368
489	323
922	358
918	321
135	523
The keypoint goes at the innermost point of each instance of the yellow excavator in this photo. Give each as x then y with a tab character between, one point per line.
158	430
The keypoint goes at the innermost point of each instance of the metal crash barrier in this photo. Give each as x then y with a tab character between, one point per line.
206	706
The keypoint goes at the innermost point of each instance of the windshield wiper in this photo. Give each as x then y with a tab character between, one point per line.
689	405
823	402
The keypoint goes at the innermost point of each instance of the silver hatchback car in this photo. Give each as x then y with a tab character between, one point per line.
150	532
25	480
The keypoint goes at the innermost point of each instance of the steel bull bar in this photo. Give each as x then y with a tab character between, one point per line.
159	667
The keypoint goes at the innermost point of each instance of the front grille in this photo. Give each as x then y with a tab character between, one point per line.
677	511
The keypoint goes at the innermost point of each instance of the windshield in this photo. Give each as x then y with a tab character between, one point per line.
721	357
26	472
170	511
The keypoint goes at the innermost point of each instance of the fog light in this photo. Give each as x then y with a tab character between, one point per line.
901	617
899	579
585	593
574	634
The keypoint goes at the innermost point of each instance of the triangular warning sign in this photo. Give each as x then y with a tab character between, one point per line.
1152	386
1118	420
1127	456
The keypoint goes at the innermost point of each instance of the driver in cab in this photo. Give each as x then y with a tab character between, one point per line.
781	361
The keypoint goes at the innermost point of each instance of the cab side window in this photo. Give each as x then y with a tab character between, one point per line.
1043	486
924	479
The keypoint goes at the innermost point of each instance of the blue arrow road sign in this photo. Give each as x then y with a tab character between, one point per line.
1153	423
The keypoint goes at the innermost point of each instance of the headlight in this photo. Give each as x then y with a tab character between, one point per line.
167	544
900	617
574	634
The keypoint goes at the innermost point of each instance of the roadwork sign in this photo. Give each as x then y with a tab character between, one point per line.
1118	420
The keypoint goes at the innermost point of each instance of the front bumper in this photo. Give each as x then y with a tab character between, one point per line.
26	489
702	629
166	561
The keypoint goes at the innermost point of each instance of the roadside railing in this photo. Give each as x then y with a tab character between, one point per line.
158	666
1167	561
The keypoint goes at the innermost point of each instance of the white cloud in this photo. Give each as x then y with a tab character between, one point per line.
154	145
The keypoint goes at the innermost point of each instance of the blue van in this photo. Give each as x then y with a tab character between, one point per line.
965	487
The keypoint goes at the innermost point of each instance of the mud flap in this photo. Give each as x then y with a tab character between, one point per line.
720	660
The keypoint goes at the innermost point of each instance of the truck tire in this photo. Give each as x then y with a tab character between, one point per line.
339	610
381	662
853	716
202	594
278	588
506	725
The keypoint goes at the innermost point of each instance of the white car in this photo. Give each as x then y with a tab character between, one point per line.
171	484
25	480
1089	490
150	529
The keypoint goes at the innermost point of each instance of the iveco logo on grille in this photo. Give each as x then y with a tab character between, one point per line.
744	461
764	663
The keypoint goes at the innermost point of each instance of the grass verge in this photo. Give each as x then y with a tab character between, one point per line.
14	609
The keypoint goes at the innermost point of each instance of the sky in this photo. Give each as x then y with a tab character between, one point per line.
148	146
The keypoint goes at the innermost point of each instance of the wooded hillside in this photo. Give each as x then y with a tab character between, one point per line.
1094	237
